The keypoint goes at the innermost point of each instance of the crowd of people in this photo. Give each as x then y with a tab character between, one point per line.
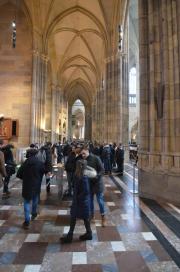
85	165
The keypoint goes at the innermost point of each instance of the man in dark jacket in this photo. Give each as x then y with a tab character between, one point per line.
106	155
120	159
31	173
2	167
96	184
9	164
48	164
70	167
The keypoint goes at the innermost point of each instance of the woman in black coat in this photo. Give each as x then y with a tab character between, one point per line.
10	167
80	204
31	172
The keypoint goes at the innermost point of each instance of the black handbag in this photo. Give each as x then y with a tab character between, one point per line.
11	169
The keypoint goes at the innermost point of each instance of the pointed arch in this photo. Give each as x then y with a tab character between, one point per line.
75	70
69	61
67	12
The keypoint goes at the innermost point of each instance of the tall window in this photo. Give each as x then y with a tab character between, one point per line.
78	120
132	86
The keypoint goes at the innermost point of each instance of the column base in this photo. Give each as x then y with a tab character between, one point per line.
159	186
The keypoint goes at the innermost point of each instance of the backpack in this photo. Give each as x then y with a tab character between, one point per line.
41	155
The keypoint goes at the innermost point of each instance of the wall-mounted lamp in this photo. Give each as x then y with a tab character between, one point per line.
14	34
120	37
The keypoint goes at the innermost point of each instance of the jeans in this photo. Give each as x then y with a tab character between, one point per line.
100	200
35	200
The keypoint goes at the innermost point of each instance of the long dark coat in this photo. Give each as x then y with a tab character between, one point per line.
2	167
9	160
31	172
81	198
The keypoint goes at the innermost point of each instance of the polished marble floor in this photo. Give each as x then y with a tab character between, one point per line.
141	235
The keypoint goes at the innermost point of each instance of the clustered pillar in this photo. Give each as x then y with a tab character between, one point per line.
110	106
116	116
56	105
159	156
38	96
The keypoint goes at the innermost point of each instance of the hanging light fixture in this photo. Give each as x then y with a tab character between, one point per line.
13	24
120	36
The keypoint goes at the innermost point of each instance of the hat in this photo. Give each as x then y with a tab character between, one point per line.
31	152
32	146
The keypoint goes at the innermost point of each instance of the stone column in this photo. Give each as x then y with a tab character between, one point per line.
44	63
56	104
34	116
38	97
93	120
70	136
159	156
98	113
101	113
116	99
88	125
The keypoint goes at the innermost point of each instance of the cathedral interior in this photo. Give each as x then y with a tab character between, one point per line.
105	71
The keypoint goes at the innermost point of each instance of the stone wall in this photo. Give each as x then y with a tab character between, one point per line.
15	72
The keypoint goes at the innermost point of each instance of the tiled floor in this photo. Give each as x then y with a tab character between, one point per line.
141	235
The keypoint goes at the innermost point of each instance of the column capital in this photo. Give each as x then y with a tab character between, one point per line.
115	56
53	86
109	58
35	52
59	88
45	58
56	87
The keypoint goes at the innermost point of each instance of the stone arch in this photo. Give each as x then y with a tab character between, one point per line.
78	121
79	90
79	57
72	91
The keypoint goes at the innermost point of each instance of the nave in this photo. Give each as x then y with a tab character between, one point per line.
140	235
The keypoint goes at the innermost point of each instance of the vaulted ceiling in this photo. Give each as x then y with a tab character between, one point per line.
76	35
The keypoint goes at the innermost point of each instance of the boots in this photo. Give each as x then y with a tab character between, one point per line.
67	239
86	236
103	220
